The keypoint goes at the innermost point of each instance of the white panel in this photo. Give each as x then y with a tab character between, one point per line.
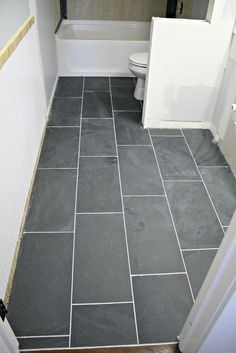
187	59
22	112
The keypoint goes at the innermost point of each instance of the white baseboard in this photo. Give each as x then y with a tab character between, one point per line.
52	97
153	124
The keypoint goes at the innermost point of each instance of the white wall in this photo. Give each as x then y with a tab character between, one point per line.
45	13
22	111
13	14
187	59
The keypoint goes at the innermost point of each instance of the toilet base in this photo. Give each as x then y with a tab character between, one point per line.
139	89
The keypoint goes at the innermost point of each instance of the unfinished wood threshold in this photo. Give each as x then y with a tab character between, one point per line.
13	43
166	348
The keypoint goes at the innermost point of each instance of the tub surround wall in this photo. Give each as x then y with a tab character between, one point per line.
116	10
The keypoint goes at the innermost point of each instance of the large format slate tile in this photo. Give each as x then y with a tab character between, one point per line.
69	87
97	138
60	148
139	172
96	84
40	299
52	202
204	151
99	189
101	257
43	342
122	82
65	112
97	105
152	241
221	185
123	99
175	159
165	132
198	264
162	305
195	219
103	325
129	130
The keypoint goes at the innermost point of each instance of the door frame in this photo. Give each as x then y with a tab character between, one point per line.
216	292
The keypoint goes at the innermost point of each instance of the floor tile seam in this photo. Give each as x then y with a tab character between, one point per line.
199	249
56	168
96	118
182	181
204	184
124	222
173	222
103	303
133	145
99	213
159	274
102	347
75	209
49	232
102	156
166	135
42	336
144	195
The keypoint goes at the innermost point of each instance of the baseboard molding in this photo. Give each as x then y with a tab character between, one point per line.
153	124
95	74
20	235
52	97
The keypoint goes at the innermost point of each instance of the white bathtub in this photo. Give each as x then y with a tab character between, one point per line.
99	48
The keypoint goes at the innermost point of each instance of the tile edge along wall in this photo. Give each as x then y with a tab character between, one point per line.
13	59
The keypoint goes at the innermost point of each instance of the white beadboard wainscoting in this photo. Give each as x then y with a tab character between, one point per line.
22	118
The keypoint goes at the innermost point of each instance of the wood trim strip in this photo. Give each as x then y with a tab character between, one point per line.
13	43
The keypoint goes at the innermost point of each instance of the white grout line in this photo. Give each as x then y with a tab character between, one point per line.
125	230
51	168
99	156
200	249
134	145
50	232
143	196
76	195
42	336
166	135
182	181
213	166
172	218
63	127
101	347
203	182
78	97
159	274
97	213
105	303
97	118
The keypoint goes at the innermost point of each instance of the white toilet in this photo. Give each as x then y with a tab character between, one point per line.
138	66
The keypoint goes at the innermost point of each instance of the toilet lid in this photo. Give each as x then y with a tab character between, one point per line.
139	59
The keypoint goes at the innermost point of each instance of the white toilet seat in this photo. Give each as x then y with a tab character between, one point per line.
139	59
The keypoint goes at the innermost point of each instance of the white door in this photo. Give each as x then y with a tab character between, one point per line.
8	341
211	324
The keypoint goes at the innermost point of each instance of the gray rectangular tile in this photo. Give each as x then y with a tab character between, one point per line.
122	82
129	130
221	185
123	99
60	148
205	152
98	189
139	172
103	325
44	342
97	105
52	202
175	159
165	132
162	305
195	219
69	87
97	138
65	112
198	264
152	241
101	272
96	84
41	293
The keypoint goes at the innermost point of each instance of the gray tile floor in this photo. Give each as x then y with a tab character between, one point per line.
123	223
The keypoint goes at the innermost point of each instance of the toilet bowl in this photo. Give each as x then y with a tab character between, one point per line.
138	67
